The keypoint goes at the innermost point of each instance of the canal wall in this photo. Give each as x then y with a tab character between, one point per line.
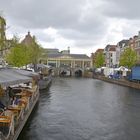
85	73
122	82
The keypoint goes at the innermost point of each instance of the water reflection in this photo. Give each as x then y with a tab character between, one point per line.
85	109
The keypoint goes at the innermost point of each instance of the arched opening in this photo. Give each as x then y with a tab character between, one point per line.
78	73
65	73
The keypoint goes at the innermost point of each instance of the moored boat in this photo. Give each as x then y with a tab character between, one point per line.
45	82
19	94
45	72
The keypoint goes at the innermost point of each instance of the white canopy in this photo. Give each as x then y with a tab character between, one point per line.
121	68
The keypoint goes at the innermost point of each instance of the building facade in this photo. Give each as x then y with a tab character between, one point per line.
110	55
94	55
132	42
67	60
137	47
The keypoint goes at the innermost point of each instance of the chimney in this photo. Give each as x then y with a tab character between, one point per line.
68	50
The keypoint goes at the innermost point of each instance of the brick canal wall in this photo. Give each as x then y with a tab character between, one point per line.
122	82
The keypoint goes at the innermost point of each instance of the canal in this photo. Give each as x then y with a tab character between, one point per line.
85	109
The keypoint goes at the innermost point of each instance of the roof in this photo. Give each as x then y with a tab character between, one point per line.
10	77
26	72
40	66
109	46
99	50
52	51
124	41
43	66
73	56
112	49
28	39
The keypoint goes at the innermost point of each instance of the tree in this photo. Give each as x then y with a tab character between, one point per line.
22	54
128	58
99	59
35	51
18	56
2	34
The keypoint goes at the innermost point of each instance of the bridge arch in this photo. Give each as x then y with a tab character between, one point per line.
65	72
78	72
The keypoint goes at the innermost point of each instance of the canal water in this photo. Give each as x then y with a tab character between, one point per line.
85	109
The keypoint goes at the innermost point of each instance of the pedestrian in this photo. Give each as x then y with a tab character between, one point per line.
15	101
11	94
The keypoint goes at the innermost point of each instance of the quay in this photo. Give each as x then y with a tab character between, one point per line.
122	82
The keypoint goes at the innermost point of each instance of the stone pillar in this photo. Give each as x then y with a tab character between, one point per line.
74	64
58	63
83	64
47	61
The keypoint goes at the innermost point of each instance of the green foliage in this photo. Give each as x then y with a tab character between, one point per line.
99	60
128	58
17	56
34	51
21	55
44	56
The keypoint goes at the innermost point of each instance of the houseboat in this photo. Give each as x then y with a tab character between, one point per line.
45	72
19	93
45	81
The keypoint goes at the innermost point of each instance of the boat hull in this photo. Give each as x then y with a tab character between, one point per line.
44	83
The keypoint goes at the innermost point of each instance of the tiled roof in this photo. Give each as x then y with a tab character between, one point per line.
99	50
112	49
109	46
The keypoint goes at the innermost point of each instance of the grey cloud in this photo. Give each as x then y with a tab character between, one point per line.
127	9
83	21
131	28
43	36
86	43
62	15
43	13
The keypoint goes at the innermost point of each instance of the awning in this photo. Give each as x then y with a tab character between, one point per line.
10	77
121	68
40	66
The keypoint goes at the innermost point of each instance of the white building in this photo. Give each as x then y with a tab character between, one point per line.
110	55
120	49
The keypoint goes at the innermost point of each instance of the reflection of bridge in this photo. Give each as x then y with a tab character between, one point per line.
68	64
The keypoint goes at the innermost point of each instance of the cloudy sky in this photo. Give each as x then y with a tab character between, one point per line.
83	25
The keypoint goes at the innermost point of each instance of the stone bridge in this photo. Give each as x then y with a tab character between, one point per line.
78	72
